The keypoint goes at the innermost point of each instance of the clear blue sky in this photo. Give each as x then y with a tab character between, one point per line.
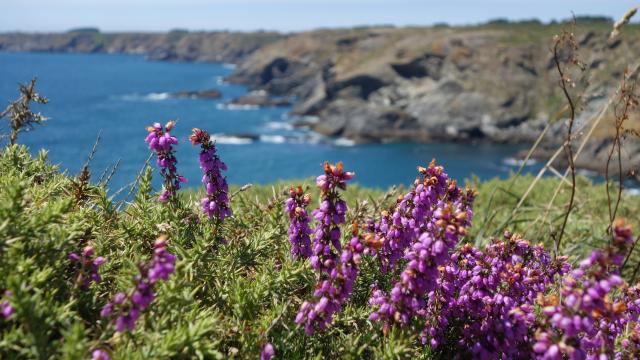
284	15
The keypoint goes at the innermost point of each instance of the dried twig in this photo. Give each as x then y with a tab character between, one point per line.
244	187
567	42
627	102
138	176
622	22
21	118
113	171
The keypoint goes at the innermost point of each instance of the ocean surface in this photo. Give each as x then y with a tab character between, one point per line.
119	95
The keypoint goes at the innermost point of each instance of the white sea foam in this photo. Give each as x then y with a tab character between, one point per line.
230	139
312	139
157	96
278	125
518	162
343	142
236	107
273	139
145	97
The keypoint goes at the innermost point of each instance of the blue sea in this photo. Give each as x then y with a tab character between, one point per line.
119	95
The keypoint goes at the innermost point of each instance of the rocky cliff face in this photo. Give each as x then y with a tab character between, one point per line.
489	83
173	46
428	84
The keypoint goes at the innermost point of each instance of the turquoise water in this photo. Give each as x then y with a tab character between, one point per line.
119	95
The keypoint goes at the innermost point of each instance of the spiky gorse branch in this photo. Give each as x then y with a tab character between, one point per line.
161	142
216	203
21	118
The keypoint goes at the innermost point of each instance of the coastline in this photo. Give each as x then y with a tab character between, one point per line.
433	91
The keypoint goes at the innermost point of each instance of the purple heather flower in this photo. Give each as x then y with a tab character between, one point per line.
128	308
488	297
336	273
299	231
334	177
161	142
216	203
591	318
100	354
267	352
89	266
424	228
5	306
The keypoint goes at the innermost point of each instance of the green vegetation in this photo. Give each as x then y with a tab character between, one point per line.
223	301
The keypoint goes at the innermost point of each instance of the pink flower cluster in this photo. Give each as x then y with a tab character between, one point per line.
128	308
432	217
299	231
216	203
268	352
500	302
6	310
89	266
161	142
487	298
100	354
336	274
596	310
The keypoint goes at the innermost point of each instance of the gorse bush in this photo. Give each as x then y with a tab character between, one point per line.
392	276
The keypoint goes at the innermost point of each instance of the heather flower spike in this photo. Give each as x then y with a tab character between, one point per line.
216	203
334	177
268	352
100	354
425	226
89	266
127	308
337	267
161	142
299	231
6	310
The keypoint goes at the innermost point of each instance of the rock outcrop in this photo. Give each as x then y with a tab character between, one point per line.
197	94
260	98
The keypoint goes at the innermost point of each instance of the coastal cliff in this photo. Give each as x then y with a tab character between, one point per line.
176	45
495	82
